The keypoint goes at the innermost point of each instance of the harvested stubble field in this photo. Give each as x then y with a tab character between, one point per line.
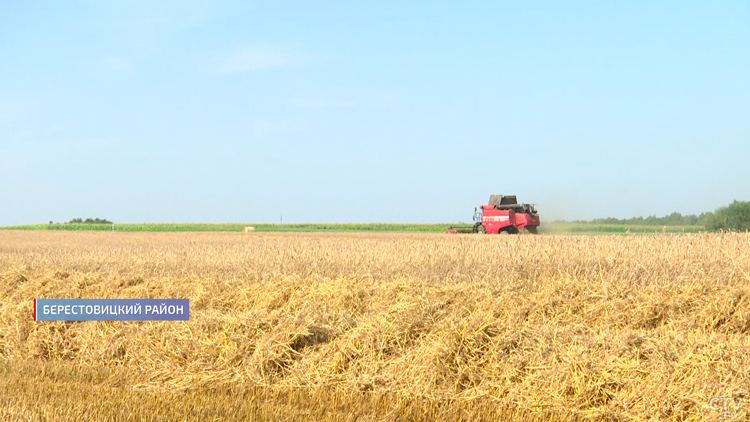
366	326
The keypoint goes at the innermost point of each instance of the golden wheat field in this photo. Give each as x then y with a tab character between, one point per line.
371	327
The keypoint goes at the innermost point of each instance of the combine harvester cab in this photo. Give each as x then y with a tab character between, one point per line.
503	215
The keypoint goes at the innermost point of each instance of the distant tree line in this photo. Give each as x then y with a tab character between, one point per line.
674	219
89	221
733	217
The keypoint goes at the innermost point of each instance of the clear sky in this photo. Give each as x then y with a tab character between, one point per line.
381	111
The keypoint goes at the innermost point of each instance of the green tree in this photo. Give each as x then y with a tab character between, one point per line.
735	216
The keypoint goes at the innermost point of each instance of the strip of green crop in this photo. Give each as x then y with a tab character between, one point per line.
188	227
549	228
592	228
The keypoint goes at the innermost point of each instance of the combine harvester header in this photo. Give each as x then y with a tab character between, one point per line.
502	215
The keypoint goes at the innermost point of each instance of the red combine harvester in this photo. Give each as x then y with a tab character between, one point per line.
503	215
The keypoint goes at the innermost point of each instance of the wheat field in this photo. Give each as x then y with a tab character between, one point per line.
379	326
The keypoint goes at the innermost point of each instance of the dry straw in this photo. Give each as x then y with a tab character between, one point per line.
381	326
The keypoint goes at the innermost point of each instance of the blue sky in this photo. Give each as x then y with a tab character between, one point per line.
230	111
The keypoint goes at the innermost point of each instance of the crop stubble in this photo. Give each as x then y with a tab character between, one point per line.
355	326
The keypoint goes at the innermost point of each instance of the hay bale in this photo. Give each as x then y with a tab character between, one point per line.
248	229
